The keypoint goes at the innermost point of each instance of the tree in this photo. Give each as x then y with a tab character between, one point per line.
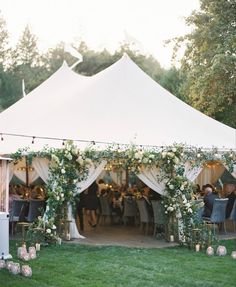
209	63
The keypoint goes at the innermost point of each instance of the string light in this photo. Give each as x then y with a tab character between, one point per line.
2	137
63	142
33	140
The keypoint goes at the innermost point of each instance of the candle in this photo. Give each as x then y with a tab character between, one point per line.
68	236
37	246
26	270
26	257
233	254
2	264
59	240
210	251
197	247
8	264
15	268
172	238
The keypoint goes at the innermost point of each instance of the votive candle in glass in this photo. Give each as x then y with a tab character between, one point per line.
197	247
2	264
15	268
26	271
172	238
37	246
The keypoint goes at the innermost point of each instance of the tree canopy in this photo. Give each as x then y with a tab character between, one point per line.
208	67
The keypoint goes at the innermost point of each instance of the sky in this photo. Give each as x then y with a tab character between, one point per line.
101	23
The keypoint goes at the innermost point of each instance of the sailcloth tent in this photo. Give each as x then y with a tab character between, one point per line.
121	104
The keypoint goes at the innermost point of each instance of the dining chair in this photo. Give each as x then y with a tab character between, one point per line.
145	218
36	207
105	209
130	209
232	216
159	215
18	213
218	215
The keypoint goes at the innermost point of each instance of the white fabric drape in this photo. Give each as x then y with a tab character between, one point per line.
74	233
41	166
149	177
93	174
21	174
210	174
192	172
11	171
3	186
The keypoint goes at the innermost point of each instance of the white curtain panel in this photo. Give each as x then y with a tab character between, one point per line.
74	233
149	177
41	166
192	172
210	174
21	174
118	177
11	171
93	174
3	186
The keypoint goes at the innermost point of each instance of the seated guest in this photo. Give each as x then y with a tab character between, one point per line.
230	193
208	199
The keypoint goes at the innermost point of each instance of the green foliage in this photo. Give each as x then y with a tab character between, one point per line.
209	62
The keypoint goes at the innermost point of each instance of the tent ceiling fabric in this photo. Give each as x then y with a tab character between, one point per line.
121	104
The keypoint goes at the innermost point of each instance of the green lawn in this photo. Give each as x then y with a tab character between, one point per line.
79	265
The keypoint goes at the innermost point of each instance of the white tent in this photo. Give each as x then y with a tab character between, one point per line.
121	104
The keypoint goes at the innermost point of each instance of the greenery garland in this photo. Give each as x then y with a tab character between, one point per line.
69	165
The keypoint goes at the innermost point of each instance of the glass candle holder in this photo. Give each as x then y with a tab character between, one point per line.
2	264
221	250
15	268
26	257
26	271
37	246
233	254
210	251
8	264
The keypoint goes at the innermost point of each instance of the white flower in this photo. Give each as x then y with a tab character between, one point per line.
171	186
63	171
198	155
88	161
145	160
171	154
163	154
69	156
62	194
48	230
182	188
75	181
176	160
58	198
80	160
54	227
138	155
174	149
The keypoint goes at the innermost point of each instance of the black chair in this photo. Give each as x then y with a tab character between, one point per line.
218	214
145	218
130	209
19	211
159	215
36	208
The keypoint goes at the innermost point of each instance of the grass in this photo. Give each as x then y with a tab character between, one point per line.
71	265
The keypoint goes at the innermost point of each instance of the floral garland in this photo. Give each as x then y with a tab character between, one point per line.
69	165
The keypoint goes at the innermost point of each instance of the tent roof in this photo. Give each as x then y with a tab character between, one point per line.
121	104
